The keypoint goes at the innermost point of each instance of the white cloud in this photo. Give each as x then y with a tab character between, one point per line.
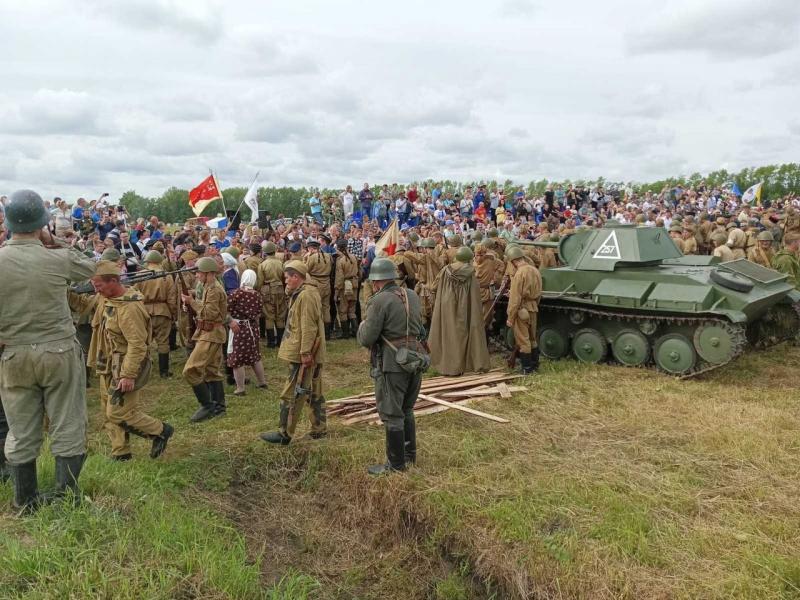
517	8
56	112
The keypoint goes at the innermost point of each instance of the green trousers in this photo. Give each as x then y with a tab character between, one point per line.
396	394
38	380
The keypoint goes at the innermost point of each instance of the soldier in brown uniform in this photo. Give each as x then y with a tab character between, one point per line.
303	348
119	353
523	307
762	253
428	265
453	244
187	282
721	250
346	288
161	302
737	240
254	259
203	371
689	241
676	234
319	265
486	268
270	284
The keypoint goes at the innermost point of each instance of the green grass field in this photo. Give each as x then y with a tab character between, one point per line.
608	483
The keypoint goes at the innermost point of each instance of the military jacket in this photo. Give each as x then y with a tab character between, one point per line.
122	337
34	308
211	309
319	265
760	256
386	317
788	263
526	290
160	295
304	324
270	274
346	270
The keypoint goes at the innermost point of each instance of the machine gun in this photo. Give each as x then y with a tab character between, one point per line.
140	276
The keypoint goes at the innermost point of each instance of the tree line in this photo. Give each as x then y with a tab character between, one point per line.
173	205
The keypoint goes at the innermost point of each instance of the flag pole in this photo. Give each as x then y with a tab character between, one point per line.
219	187
245	196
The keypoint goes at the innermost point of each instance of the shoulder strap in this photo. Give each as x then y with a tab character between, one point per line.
401	293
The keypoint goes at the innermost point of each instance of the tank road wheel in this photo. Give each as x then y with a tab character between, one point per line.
631	348
589	346
674	354
718	342
552	343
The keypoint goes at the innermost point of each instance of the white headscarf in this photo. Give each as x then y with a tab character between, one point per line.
228	259
248	279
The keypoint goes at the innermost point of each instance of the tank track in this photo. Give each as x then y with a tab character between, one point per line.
701	367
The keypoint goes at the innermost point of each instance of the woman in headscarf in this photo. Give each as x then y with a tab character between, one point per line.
244	307
230	276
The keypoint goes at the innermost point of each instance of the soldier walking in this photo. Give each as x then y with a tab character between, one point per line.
270	284
393	324
303	348
120	354
523	307
203	370
41	363
161	301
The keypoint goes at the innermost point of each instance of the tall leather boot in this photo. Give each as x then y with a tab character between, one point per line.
160	441
173	338
345	329
217	390
328	330
262	326
410	439
271	339
526	363
279	336
68	469
206	410
535	360
88	377
26	487
163	365
5	473
278	437
353	328
395	454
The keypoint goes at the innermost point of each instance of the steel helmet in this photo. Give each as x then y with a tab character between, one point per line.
766	236
382	269
514	252
154	256
25	212
207	265
464	254
477	236
413	237
111	254
270	248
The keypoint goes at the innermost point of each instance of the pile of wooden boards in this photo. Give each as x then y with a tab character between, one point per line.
437	394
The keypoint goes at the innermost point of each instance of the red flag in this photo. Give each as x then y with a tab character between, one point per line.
389	240
204	194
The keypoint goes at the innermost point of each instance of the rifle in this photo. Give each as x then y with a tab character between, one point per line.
187	308
140	276
299	390
512	360
500	292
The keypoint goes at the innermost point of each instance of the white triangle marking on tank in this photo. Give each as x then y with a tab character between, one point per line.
609	248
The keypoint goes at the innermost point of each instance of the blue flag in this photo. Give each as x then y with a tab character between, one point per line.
735	189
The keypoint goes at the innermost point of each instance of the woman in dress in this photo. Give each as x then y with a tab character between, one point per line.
244	307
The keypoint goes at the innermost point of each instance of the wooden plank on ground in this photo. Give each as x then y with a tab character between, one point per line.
504	391
465	409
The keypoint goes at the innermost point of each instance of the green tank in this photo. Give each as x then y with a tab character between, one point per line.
627	294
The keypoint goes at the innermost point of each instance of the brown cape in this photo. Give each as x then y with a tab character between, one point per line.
457	338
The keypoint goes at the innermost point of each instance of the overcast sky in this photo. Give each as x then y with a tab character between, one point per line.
103	95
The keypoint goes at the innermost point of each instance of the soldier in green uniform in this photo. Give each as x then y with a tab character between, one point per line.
120	353
203	370
41	363
786	259
393	327
303	348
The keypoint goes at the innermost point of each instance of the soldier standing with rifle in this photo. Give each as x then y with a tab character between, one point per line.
161	302
303	347
271	286
203	371
41	363
392	330
523	307
346	288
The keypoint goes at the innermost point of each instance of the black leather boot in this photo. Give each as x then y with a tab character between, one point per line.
345	329
206	410
5	474
535	360
278	437
68	469
395	454
26	495
217	390
328	330
410	439
271	339
173	338
160	441
353	328
163	365
279	336
262	327
526	363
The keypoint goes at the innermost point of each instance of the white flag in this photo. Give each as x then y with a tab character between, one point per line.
752	195
251	199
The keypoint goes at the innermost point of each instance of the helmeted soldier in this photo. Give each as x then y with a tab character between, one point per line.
786	259
393	327
203	370
523	308
346	288
161	301
41	363
319	265
271	285
761	253
303	348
